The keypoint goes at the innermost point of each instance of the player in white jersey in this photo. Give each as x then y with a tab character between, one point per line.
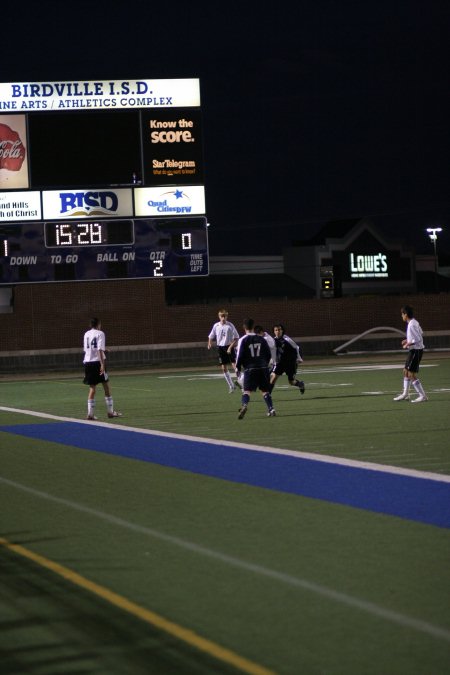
414	344
225	335
259	330
94	345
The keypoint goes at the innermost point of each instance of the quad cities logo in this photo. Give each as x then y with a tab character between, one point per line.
176	201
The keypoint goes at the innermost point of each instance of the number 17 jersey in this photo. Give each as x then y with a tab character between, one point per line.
252	352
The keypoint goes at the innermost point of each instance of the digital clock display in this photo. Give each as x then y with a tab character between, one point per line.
35	252
98	233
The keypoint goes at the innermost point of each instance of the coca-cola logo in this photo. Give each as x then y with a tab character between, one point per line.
12	150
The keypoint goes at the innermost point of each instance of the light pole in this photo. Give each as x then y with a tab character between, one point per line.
433	233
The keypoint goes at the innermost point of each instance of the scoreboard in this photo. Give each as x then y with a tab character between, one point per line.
101	180
103	249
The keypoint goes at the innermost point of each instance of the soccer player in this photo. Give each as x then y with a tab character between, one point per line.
225	335
259	330
94	345
414	344
253	355
288	356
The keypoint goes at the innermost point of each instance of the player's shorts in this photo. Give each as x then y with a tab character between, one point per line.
92	375
289	368
413	360
256	378
224	357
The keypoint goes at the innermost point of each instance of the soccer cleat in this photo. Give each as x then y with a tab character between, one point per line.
301	386
91	417
401	397
232	389
242	412
420	399
115	414
272	413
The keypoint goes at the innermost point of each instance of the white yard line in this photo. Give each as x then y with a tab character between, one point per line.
330	594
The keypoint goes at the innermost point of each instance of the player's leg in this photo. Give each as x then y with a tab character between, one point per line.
91	378
293	381
91	403
247	388
416	383
406	385
277	370
264	386
237	382
224	360
109	401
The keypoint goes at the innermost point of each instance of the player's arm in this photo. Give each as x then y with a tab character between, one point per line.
101	347
234	338
102	357
273	348
231	346
211	337
266	351
294	345
239	353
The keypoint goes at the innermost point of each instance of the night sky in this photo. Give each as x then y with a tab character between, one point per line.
313	112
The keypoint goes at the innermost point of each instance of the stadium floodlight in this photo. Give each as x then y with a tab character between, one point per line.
433	233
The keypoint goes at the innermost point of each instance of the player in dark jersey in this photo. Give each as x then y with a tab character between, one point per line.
288	356
253	355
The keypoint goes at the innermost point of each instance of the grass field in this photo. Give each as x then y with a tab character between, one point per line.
115	564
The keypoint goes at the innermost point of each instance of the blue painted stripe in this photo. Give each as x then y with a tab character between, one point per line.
414	498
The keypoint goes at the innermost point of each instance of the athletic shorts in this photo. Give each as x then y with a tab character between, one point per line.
289	368
256	378
224	357
92	374
413	360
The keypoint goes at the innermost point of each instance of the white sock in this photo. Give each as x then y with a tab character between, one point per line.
418	387
227	376
91	406
109	404
406	385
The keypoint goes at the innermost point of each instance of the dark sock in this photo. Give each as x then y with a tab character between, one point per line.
268	400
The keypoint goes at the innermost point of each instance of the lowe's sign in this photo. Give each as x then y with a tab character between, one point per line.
368	266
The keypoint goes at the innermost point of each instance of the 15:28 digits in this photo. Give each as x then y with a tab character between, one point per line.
78	234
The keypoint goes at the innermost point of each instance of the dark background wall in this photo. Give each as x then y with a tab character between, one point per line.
55	316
